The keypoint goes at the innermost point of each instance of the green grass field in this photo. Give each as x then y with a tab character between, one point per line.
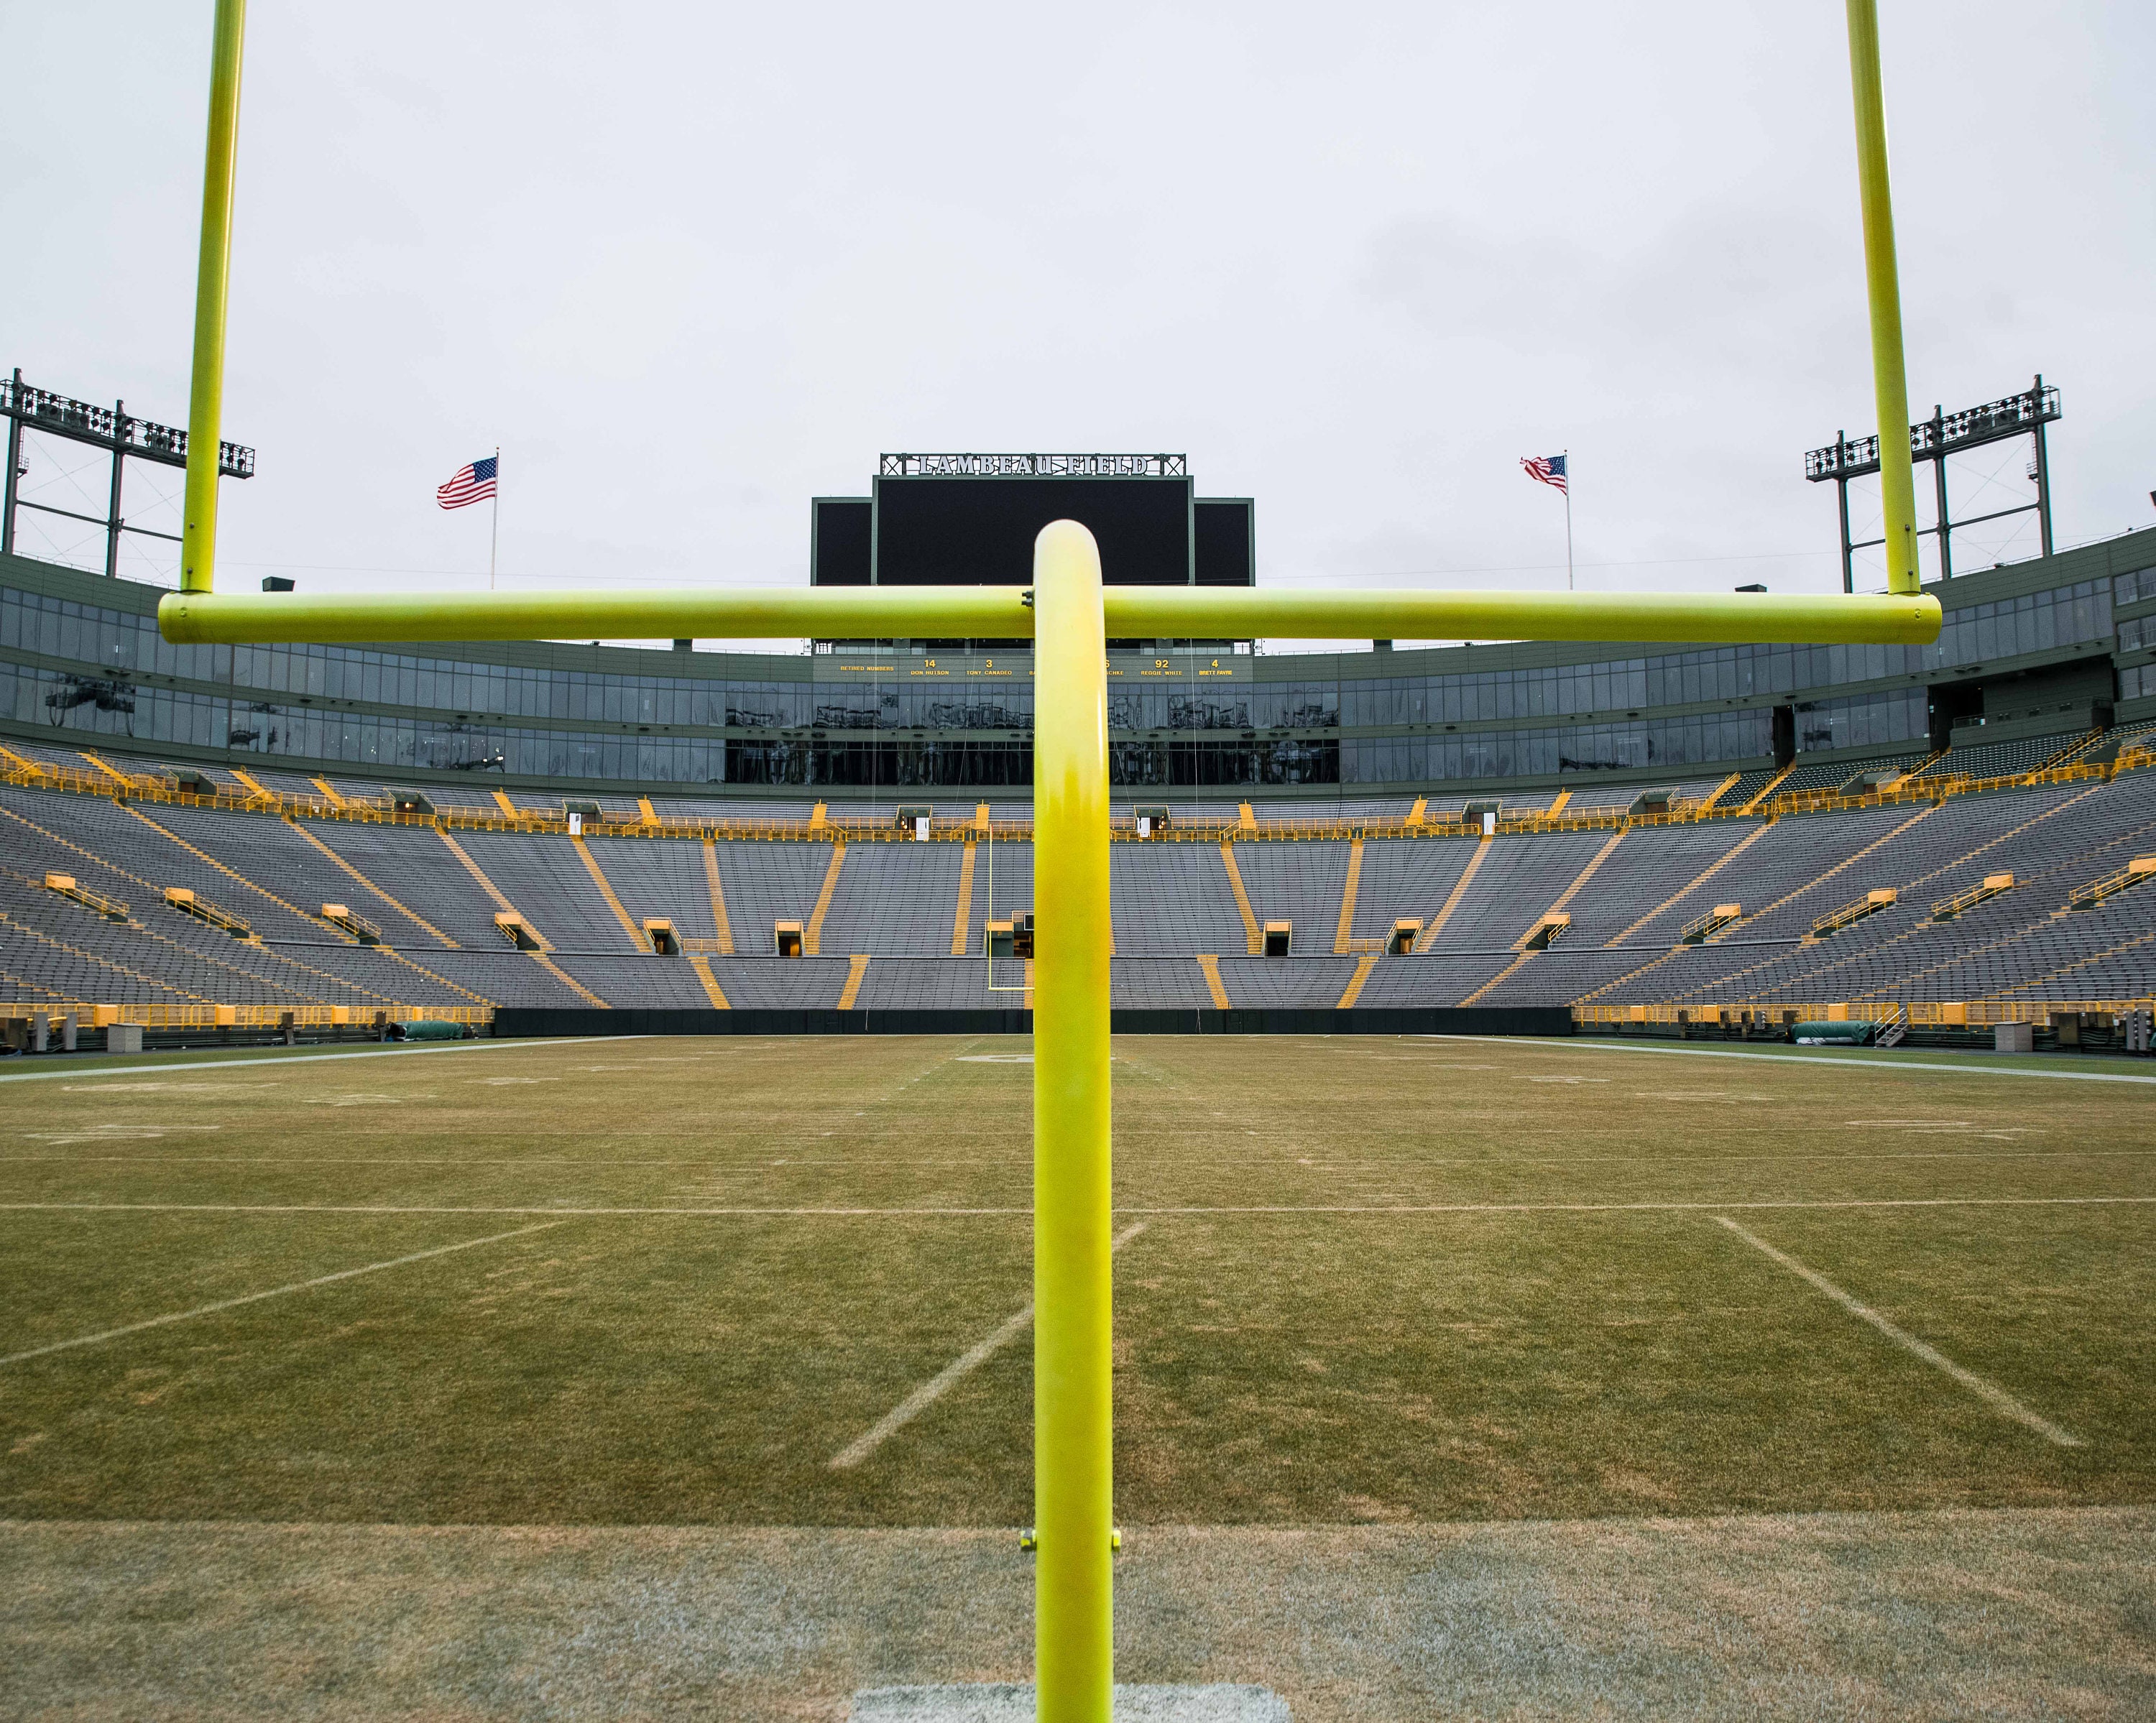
1378	1280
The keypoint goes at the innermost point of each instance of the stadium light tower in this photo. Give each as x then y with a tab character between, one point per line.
1069	617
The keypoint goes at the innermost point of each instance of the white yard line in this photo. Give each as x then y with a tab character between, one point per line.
230	1303
840	1213
307	1059
1996	1397
956	1371
1589	1044
551	1208
759	1164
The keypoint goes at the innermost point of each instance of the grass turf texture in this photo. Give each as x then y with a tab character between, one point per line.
1382	1280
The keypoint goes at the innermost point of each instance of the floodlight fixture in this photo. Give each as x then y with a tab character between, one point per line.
27	408
1933	439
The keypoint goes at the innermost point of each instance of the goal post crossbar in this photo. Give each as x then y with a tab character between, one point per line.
1009	612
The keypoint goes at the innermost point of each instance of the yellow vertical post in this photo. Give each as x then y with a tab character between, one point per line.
1073	1452
1883	280
213	276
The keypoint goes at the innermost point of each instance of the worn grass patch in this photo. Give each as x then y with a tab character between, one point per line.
1946	1615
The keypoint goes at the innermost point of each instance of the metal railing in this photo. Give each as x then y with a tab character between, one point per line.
882	829
1972	1014
93	1014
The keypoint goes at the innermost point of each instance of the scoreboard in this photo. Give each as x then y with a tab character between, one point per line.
971	520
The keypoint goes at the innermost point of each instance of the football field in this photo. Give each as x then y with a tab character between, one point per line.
785	1284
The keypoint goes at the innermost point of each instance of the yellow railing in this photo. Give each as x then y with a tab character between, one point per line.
91	1015
1974	1013
878	828
1854	910
2088	896
1928	789
1947	908
1700	929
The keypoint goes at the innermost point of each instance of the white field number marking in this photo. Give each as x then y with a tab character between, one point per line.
113	1132
162	1088
1996	1397
956	1371
231	1304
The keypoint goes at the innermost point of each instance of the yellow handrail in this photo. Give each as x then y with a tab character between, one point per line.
1935	1014
211	1015
877	828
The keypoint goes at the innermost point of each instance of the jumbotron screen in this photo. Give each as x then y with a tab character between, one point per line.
973	532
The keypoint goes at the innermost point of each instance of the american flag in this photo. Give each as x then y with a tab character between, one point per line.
1545	468
475	483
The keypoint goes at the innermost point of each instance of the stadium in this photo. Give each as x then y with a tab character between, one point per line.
212	843
1095	1133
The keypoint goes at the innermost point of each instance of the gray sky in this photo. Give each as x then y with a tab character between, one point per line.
690	266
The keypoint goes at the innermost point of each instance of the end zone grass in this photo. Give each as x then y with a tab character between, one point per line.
1380	1281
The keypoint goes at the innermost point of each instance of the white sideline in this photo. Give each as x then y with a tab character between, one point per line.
228	1303
1989	1393
960	1367
1586	1044
830	1213
311	1059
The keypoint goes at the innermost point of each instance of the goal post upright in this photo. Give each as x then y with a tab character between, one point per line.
1882	283
212	292
1073	1440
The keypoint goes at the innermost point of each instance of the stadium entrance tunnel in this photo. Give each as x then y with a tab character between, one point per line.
1278	936
1547	932
661	935
1008	939
786	938
516	930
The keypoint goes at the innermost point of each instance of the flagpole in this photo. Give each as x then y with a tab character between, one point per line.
494	538
1568	520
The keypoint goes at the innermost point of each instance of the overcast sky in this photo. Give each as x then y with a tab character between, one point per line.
689	266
